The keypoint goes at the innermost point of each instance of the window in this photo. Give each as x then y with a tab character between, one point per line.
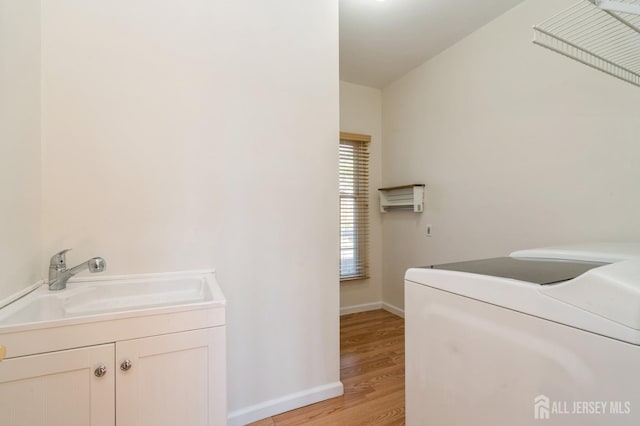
354	206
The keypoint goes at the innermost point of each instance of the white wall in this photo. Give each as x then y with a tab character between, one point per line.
20	187
361	112
195	134
519	147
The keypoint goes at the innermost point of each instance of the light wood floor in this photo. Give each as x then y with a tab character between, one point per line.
372	371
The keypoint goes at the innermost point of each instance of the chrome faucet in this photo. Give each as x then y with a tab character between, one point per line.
59	274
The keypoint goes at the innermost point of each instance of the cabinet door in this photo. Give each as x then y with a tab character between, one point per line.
173	379
58	388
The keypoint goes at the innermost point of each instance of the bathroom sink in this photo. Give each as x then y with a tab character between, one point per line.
112	295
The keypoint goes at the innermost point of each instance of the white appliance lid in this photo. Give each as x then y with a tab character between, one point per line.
592	252
611	291
531	270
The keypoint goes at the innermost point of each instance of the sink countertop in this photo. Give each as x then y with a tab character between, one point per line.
110	308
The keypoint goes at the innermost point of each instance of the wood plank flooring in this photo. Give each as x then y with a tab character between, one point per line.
372	371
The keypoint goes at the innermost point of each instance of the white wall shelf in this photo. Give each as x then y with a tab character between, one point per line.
405	197
604	35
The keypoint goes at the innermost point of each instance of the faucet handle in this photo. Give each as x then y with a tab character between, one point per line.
59	260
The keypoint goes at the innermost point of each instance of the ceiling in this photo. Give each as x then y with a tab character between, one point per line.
382	40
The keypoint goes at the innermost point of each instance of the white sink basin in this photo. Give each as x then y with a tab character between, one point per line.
29	310
113	295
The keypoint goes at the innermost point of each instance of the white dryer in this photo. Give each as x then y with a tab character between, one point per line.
543	337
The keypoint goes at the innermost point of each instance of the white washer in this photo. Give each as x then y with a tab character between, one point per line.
543	337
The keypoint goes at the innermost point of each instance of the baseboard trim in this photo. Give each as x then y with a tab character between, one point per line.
346	310
393	309
286	403
353	309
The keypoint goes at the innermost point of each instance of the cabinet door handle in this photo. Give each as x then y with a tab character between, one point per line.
100	371
125	365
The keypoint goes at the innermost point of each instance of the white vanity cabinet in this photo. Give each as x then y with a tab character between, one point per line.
152	367
58	388
173	379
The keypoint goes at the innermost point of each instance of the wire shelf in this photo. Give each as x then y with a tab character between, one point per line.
604	35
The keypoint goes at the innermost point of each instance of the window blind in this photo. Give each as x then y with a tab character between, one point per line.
354	206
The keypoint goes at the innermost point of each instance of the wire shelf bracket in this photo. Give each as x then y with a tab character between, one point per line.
602	34
405	197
